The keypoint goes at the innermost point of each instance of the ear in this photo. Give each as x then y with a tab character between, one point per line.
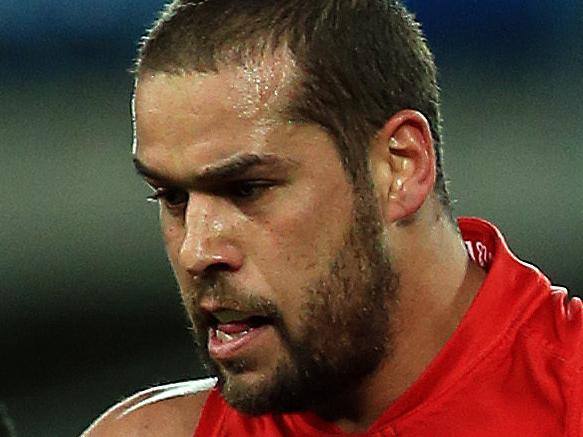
402	162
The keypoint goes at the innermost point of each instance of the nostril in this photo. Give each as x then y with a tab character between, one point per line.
218	267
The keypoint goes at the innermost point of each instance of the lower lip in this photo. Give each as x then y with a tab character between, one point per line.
220	350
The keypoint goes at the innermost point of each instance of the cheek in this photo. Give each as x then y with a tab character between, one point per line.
173	236
306	238
317	225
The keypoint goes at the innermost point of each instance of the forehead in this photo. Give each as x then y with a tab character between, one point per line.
254	88
236	104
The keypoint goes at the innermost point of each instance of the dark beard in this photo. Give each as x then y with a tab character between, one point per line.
345	331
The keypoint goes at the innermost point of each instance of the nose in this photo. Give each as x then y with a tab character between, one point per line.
209	243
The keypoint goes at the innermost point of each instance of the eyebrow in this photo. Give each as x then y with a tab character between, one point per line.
229	168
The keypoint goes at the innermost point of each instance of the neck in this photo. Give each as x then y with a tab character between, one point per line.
438	282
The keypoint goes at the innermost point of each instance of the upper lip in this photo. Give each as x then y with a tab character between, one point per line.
210	307
213	306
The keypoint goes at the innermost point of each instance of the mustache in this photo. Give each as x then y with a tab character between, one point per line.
225	295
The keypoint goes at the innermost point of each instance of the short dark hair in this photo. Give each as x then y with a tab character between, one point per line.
359	61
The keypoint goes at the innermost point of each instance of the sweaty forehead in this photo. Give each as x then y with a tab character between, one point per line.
258	88
217	112
265	84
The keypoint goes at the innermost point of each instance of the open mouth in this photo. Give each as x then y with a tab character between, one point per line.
231	330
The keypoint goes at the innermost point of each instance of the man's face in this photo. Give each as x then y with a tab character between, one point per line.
277	254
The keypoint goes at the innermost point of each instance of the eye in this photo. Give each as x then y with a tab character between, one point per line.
247	189
170	198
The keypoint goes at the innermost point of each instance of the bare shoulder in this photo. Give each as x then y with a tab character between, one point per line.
166	410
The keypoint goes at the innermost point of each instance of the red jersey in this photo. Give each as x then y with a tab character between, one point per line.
513	367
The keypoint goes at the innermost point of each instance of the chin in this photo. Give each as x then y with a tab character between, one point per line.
248	392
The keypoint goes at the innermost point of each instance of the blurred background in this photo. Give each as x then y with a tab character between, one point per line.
88	307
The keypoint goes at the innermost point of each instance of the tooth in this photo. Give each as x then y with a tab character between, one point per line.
223	336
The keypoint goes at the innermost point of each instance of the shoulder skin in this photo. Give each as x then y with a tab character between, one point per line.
167	410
